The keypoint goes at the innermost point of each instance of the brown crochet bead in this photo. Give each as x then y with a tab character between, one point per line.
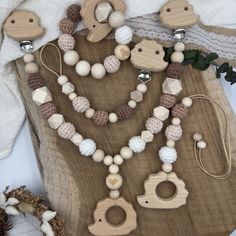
167	100
66	26
48	109
124	112
73	13
175	70
35	81
100	118
179	110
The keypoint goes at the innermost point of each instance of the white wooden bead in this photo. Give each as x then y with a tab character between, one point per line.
197	137
71	57
27	58
68	88
114	194
103	11
116	19
126	153
136	96
176	121
167	167
187	101
72	96
161	113
77	139
172	86
177	57
113	117
113	169
114	181
179	47
82	68
98	155
132	104
90	113
122	52
56	120
118	160
31	68
108	160
170	143
142	88
62	79
98	71
201	144
41	95
147	136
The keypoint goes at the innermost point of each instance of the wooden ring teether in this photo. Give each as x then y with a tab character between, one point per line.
103	228
150	198
97	31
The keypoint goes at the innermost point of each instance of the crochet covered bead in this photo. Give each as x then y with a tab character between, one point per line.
87	147
66	42
154	125
173	132
81	104
73	12
175	70
100	118
48	109
179	110
35	81
136	144
167	100
124	112
124	35
66	26
112	64
66	130
168	154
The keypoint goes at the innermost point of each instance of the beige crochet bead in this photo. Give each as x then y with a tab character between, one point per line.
154	125
66	130
113	169
142	88
31	68
177	57
27	58
179	47
81	104
90	113
114	194
71	57
66	42
118	160
114	181
112	64
126	153
187	101
113	117
98	71
116	19
122	52
98	155
173	132
108	160
62	79
132	104
167	167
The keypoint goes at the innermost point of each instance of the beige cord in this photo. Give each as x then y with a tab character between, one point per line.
60	59
224	138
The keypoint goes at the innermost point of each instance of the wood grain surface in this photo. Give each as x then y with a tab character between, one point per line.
74	183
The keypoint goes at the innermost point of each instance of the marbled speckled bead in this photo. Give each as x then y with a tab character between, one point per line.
100	118
179	110
66	26
66	130
66	42
81	104
124	112
167	100
154	125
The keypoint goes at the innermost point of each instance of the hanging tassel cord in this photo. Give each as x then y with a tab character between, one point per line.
225	139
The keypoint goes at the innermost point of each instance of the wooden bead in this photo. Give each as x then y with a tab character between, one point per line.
98	155
103	11
27	58
161	113
72	96
62	79
118	160
136	95
172	86
56	120
147	136
114	194
83	68
116	19
132	104
142	88
177	57
77	139
126	153
31	68
108	160
170	143
176	121
98	71
122	52
113	117
187	102
90	113
68	88
197	137
71	57
201	144
41	95
167	167
114	181
113	169
179	47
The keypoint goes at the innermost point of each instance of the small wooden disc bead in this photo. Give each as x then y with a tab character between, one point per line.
98	155
113	117
113	169
114	194
201	144
114	181
187	102
31	68
179	47
118	160
27	58
108	160
197	137
167	167
122	52
62	79
176	121
132	104
142	88
126	153
72	96
90	113
177	57
170	143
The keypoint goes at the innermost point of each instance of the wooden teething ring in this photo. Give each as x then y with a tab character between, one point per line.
103	228
150	198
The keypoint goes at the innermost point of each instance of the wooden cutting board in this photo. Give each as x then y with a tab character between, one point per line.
74	183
